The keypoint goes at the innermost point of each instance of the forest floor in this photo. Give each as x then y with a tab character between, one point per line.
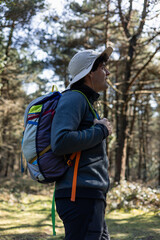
25	214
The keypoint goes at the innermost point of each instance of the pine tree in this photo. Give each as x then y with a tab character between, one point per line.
15	16
95	24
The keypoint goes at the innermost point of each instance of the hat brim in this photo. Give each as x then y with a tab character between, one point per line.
83	73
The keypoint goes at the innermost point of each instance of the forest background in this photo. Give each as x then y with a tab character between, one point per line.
36	44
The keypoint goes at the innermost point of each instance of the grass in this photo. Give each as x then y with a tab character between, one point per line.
25	214
134	225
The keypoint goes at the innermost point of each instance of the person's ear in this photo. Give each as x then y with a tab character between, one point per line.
90	74
87	78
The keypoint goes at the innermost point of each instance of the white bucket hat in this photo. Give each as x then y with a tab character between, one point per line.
82	62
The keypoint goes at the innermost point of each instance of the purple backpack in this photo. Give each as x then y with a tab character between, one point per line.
43	165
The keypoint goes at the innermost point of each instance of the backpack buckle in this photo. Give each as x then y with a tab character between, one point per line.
70	160
69	163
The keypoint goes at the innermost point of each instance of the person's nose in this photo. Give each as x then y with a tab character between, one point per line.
107	72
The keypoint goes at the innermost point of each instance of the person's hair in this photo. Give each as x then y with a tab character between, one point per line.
102	59
78	84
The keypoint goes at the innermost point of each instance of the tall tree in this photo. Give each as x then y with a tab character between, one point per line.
15	17
132	27
125	24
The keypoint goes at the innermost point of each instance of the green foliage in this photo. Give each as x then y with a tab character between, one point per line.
20	11
15	69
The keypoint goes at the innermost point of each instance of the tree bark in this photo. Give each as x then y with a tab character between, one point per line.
121	152
159	155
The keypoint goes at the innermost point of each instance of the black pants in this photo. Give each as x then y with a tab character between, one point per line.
83	219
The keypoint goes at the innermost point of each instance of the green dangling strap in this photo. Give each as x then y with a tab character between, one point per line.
53	214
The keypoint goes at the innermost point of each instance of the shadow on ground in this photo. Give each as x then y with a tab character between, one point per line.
141	227
31	236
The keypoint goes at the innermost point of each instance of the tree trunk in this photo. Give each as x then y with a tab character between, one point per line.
144	161
125	86
140	159
141	132
6	167
127	161
105	108
145	140
4	93
121	146
159	155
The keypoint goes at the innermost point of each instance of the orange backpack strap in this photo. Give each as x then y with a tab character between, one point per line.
74	183
70	160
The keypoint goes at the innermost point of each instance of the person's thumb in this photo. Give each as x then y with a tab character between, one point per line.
95	121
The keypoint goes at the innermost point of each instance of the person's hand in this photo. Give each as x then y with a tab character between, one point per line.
106	123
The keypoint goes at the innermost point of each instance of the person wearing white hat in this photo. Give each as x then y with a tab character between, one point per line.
75	129
82	63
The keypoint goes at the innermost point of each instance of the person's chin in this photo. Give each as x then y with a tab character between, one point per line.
104	88
106	85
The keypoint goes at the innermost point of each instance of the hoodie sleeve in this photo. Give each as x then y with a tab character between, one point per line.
65	136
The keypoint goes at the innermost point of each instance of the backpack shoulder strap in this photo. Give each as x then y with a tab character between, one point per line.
78	154
74	182
92	110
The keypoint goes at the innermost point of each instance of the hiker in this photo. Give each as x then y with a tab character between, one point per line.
76	130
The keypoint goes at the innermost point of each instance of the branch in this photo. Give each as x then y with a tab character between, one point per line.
145	91
10	39
144	14
110	84
129	13
149	40
6	26
123	20
148	81
145	65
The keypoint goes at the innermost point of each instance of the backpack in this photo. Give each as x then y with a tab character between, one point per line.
44	166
